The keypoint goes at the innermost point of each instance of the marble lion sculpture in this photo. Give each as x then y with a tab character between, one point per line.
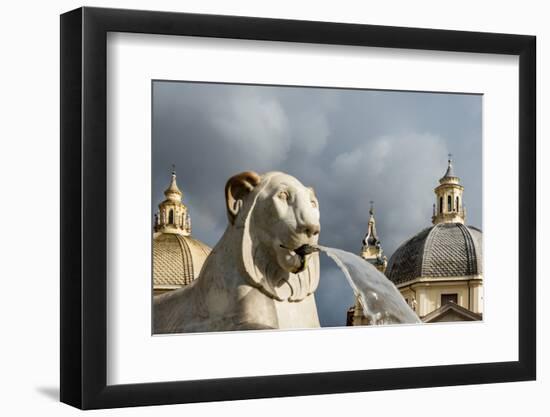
253	279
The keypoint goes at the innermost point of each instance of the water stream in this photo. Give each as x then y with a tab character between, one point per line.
381	301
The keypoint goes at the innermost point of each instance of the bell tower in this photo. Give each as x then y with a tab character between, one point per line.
172	216
372	249
372	252
449	205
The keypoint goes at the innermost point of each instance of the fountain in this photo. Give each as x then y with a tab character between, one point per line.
250	281
381	301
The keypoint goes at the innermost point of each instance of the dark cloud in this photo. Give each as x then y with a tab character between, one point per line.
352	146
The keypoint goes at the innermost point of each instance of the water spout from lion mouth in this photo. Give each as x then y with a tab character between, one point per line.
302	251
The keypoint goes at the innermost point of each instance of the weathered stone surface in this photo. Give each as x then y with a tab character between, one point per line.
253	279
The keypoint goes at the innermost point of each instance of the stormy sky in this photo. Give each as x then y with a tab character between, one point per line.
352	146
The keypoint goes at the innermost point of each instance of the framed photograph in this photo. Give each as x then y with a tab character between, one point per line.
258	207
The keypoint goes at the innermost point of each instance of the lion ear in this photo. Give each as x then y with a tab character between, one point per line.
236	189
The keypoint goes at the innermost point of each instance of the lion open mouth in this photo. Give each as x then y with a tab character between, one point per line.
301	252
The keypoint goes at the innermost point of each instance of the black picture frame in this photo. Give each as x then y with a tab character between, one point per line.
84	207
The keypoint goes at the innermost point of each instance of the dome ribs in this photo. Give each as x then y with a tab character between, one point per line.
444	250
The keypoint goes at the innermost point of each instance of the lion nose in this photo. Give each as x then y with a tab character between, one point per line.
311	229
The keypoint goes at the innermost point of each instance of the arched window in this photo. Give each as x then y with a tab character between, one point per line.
441	204
171	217
457	205
449	203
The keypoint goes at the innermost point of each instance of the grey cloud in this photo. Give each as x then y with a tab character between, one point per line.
352	146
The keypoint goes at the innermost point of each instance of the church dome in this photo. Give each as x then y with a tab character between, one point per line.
443	250
177	256
177	260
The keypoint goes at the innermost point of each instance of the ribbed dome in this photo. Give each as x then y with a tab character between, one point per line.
443	250
177	259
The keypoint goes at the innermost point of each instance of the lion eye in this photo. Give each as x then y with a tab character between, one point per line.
283	195
313	203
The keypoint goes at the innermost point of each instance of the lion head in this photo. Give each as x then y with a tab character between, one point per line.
276	214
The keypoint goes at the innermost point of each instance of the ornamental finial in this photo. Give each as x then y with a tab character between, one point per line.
450	171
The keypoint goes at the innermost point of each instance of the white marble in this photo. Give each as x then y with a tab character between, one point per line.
253	279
